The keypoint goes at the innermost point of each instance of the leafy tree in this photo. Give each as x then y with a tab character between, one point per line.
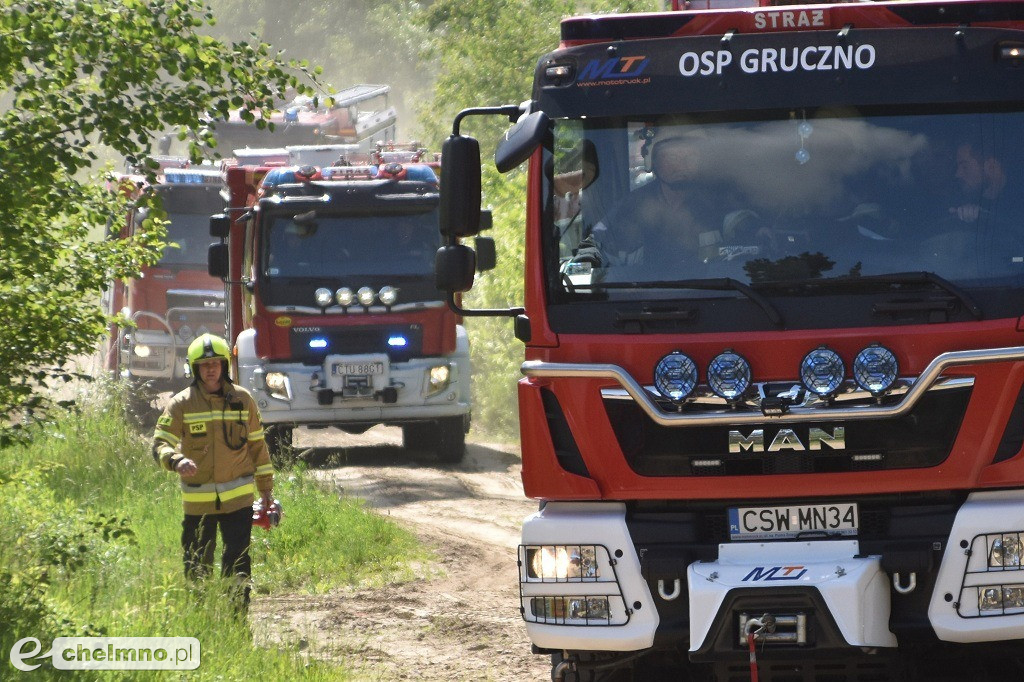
76	75
487	52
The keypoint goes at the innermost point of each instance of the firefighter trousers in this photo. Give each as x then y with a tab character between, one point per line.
199	541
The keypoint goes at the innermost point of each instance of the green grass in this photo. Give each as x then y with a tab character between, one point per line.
89	545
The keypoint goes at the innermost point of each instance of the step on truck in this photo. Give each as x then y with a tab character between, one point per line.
332	307
773	403
176	299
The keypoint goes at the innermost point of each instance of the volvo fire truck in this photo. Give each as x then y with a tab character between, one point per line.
773	403
174	301
332	307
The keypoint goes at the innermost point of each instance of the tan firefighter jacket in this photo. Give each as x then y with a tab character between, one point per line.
222	434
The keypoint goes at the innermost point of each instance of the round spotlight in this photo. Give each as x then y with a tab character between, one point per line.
822	371
729	375
875	369
323	297
388	295
365	295
675	376
344	296
185	333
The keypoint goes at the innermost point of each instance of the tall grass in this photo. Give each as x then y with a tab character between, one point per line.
90	545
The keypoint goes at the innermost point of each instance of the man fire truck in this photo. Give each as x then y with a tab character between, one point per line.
332	306
175	300
773	404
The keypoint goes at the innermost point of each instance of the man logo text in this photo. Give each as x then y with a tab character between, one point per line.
787	439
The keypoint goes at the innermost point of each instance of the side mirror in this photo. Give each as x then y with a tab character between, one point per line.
454	268
486	254
459	207
217	260
521	140
220	226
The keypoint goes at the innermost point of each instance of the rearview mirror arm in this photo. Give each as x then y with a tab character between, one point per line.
482	312
511	110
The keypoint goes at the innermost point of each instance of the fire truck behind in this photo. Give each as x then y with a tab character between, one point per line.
174	301
332	307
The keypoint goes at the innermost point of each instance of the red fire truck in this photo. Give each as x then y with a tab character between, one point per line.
332	307
359	114
773	405
175	300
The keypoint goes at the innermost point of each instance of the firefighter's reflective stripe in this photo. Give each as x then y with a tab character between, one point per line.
208	492
255	435
169	437
230	415
264	469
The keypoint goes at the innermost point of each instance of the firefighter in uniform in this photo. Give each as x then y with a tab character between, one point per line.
211	436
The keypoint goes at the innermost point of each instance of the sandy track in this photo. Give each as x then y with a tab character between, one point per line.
460	619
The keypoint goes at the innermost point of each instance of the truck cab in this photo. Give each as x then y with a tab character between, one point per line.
332	306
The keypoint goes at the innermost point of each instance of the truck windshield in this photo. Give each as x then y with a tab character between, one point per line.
188	210
788	197
334	246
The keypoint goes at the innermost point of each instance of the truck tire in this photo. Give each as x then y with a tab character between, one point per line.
446	438
451	440
279	442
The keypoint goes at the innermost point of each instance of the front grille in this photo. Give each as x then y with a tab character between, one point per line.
923	438
357	341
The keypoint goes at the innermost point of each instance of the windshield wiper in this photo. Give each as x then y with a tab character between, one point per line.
715	284
864	281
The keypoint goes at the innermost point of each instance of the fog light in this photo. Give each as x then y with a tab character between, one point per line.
142	350
990	599
1013	597
344	297
388	295
675	376
563	610
323	297
729	375
278	385
875	369
365	296
822	371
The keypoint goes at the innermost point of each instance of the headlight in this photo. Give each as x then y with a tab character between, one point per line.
142	350
323	297
562	562
278	385
438	377
822	371
875	369
388	295
675	376
365	295
1005	551
729	375
344	296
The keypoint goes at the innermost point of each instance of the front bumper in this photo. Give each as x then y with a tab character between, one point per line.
311	387
875	592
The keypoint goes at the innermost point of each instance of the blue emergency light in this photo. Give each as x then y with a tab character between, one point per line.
318	343
398	341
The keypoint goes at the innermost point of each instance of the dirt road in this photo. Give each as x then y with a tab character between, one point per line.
460	619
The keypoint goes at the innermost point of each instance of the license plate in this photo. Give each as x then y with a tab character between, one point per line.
361	368
810	520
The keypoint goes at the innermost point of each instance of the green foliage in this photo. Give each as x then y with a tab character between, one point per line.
78	75
90	545
487	53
